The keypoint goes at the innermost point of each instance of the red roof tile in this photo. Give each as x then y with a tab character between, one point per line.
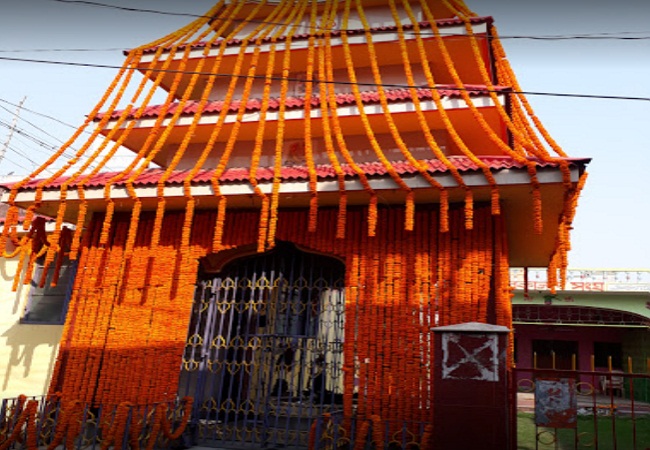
344	99
405	26
300	173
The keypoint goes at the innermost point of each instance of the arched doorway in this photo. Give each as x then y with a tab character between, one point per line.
264	353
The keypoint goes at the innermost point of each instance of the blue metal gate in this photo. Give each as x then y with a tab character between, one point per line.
264	353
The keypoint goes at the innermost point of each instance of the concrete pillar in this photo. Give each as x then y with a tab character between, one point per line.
470	387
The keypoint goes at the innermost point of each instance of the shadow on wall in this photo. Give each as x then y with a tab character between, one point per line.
7	274
28	353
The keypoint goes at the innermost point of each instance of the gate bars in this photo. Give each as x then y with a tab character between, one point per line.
48	422
264	354
604	409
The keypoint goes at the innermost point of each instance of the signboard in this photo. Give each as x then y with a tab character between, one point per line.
556	405
613	280
470	357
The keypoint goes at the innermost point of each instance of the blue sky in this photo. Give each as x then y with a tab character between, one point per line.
614	212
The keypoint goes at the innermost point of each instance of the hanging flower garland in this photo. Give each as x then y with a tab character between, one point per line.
563	164
207	149
504	65
525	137
68	424
424	126
326	89
166	425
339	135
130	64
410	206
13	209
294	17
127	297
309	91
189	134
26	417
445	117
259	138
9	232
372	212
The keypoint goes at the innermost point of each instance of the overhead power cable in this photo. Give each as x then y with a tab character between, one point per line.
61	50
40	114
43	147
24	134
547	38
595	36
33	125
315	80
16	164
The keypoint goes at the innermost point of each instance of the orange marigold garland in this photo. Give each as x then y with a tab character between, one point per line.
410	198
372	222
445	117
259	142
68	425
517	132
208	148
384	280
309	90
167	426
326	93
26	417
340	140
54	157
294	17
378	299
115	434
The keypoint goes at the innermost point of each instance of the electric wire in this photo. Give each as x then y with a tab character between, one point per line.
6	158
45	132
315	80
596	36
61	50
43	146
27	136
40	114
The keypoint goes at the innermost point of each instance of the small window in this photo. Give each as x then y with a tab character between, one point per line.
49	304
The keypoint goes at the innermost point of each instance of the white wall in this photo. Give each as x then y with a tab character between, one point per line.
27	352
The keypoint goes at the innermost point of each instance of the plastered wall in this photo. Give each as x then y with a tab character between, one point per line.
27	352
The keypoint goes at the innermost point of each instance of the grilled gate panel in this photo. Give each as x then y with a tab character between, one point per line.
264	353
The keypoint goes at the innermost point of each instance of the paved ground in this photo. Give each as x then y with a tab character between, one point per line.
526	402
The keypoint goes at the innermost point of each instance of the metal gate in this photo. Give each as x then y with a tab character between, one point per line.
580	409
264	353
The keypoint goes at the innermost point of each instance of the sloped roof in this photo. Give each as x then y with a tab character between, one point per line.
406	26
298	172
343	99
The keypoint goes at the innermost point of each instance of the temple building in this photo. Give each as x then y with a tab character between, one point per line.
314	186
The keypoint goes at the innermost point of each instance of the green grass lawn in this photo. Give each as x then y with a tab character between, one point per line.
566	438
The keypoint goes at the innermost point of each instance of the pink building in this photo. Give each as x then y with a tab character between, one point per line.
600	321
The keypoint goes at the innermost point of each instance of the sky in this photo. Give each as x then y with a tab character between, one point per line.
610	229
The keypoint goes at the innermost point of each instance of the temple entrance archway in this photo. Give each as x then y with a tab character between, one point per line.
264	353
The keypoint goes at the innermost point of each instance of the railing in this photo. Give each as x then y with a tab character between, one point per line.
335	431
575	409
49	422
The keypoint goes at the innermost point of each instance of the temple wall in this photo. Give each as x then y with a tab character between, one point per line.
127	324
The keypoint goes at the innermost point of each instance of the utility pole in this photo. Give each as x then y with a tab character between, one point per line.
5	146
